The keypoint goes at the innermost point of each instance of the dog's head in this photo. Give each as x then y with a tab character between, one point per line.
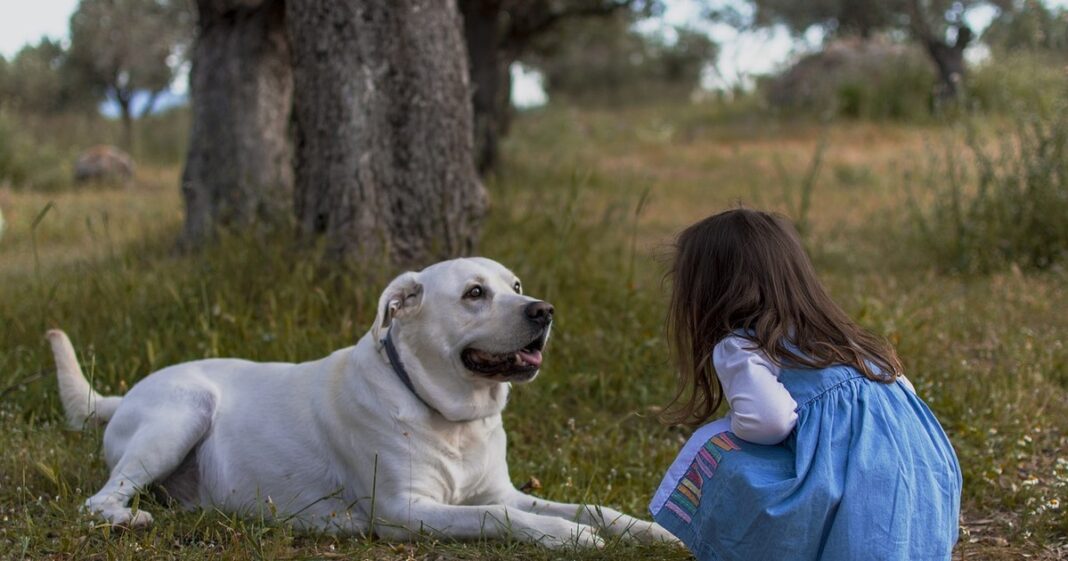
467	324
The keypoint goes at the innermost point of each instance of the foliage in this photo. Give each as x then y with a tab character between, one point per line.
27	164
163	137
1032	26
861	17
37	152
1015	81
992	210
37	80
606	60
938	26
869	79
844	17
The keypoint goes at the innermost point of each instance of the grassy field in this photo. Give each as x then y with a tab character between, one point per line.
584	213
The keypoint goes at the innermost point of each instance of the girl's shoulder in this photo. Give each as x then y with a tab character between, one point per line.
736	352
736	342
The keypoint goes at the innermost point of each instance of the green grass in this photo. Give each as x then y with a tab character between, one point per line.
1003	207
583	213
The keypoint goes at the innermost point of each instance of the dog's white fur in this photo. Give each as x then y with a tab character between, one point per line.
340	444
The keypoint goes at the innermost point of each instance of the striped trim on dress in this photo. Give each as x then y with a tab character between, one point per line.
686	497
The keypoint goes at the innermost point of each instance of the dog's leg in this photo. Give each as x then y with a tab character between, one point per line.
603	518
153	441
406	519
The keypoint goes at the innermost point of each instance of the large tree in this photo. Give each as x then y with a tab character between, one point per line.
938	25
123	47
384	147
238	169
375	96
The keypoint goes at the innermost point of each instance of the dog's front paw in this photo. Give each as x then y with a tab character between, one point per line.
119	515
651	532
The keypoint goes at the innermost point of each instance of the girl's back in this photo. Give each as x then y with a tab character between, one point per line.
852	465
868	473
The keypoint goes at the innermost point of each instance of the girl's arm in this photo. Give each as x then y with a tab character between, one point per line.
762	410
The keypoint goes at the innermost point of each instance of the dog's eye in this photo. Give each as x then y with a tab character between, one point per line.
474	293
518	288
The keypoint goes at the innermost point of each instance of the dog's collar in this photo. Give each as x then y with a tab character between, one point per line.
398	367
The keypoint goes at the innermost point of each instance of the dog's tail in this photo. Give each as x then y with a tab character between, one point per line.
82	405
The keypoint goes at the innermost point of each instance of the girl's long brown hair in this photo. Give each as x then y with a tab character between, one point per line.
745	272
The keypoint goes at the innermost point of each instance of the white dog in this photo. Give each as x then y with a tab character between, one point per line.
397	436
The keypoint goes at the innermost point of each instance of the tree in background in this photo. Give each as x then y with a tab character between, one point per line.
238	169
839	17
36	81
499	33
608	61
937	24
1032	27
384	145
122	47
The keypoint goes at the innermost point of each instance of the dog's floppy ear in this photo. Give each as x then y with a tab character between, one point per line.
402	296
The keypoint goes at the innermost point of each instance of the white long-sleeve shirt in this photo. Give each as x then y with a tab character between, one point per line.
762	410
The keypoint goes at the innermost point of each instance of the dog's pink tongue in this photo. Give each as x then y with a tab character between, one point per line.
532	358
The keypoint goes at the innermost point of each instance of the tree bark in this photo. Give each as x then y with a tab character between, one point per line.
491	81
239	166
949	60
384	149
496	33
127	123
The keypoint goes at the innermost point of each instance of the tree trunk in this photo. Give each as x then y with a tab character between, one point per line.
384	155
127	121
150	104
504	111
949	60
239	167
496	33
490	79
124	109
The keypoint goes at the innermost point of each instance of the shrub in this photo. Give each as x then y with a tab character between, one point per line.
30	165
872	79
1019	81
996	209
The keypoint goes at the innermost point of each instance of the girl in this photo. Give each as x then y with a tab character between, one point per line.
827	453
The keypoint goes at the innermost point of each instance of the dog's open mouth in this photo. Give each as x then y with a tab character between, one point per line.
511	364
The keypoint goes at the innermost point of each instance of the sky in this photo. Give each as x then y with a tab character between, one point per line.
26	21
742	56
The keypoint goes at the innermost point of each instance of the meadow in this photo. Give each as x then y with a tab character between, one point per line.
584	211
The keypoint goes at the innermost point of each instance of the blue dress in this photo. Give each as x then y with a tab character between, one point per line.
868	473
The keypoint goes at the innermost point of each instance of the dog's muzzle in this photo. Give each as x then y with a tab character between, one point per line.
519	364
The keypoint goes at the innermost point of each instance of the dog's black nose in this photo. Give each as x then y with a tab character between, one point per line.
540	312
